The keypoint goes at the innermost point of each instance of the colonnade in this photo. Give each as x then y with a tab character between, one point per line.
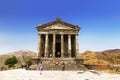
62	51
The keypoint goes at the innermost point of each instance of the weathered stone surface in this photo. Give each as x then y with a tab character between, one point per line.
58	44
56	64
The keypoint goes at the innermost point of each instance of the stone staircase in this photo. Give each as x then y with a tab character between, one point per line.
56	64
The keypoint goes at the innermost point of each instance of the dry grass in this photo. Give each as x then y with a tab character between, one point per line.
109	71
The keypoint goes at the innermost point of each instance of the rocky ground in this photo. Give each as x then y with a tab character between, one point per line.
22	74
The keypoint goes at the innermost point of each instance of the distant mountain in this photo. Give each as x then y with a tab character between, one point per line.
90	57
19	55
104	57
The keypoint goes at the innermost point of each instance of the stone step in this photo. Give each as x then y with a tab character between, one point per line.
56	64
58	67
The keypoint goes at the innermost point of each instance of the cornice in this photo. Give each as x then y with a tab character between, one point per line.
58	21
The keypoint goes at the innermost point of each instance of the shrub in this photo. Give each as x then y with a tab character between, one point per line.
11	61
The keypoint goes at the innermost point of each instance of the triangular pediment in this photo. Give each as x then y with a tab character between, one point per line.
58	24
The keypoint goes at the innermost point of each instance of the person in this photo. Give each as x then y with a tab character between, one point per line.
22	65
50	54
63	66
42	53
2	67
26	67
58	54
40	67
56	62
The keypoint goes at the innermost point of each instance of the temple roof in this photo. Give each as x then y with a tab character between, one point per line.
58	21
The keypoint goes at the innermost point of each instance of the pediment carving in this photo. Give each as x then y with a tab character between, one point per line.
58	26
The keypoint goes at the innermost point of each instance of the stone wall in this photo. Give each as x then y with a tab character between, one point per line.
100	67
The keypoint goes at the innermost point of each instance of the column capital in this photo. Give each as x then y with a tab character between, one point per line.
62	34
77	34
69	35
54	34
46	34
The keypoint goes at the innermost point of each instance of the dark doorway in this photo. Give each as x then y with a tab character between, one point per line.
58	50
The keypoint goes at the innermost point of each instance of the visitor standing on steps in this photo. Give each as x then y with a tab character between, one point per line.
63	66
41	67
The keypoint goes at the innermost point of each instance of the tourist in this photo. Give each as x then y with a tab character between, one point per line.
40	67
22	65
26	67
42	54
50	54
2	67
57	62
58	54
63	66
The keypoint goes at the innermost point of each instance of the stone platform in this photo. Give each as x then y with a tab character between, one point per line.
56	64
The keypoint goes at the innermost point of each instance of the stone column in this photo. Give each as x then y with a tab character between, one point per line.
46	45
62	47
39	45
69	45
77	45
54	41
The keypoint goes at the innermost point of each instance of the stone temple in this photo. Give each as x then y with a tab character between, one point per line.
58	39
57	44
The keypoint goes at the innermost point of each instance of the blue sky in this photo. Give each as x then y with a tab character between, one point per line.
99	21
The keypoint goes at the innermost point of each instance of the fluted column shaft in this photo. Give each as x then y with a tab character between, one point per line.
39	45
54	40
77	44
46	45
62	47
69	45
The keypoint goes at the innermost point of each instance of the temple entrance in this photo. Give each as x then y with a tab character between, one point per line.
58	50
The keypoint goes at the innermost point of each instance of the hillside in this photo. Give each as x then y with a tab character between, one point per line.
104	57
90	57
19	55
